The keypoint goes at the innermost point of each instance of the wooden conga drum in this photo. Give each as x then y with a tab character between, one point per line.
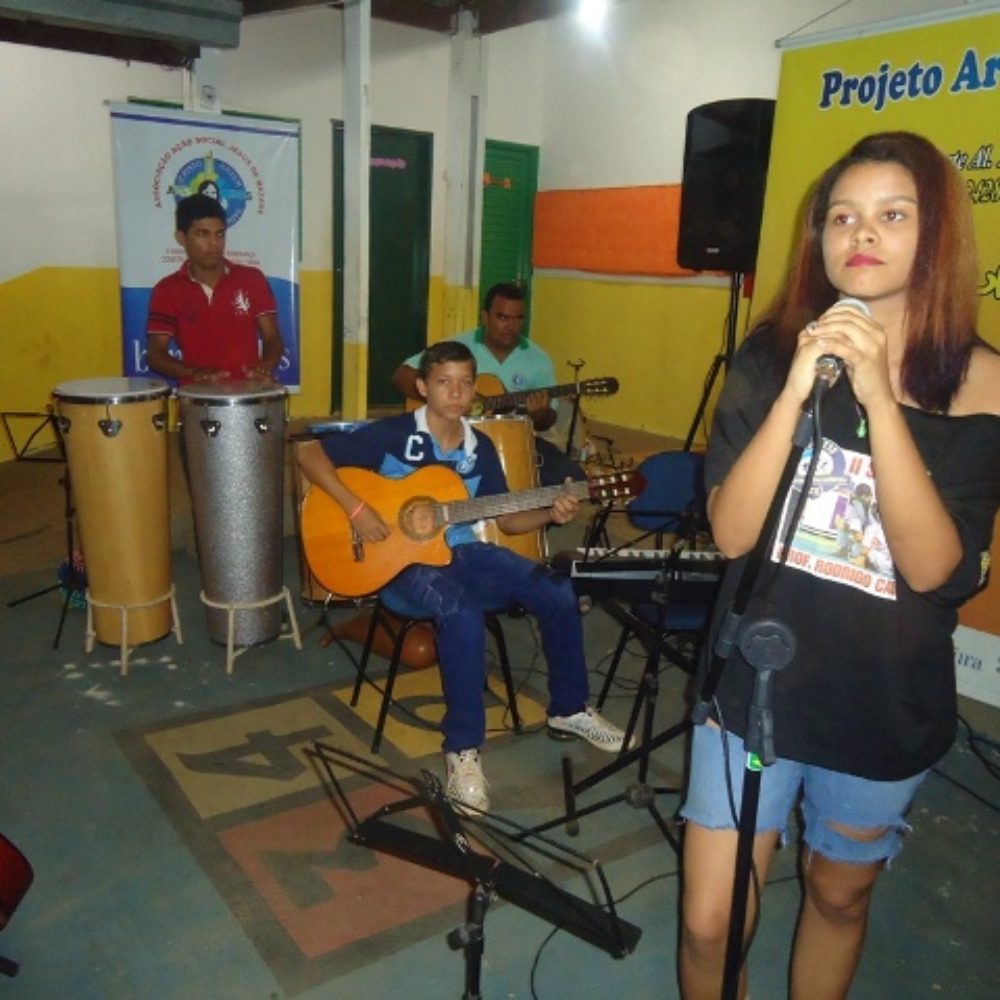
312	590
234	435
114	431
514	439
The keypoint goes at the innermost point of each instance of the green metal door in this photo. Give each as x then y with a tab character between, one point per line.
510	182
399	255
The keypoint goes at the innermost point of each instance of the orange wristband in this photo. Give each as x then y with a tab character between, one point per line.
357	510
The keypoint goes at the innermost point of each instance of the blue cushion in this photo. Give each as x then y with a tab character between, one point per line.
674	487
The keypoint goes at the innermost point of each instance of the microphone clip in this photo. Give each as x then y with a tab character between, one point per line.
829	368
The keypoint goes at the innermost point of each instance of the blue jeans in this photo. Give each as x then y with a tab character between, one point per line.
483	578
827	797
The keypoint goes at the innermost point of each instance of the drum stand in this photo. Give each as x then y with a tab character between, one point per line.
75	582
231	607
125	648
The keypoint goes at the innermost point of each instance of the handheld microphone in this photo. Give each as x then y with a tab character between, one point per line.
828	366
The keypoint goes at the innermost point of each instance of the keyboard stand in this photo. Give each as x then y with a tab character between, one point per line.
640	794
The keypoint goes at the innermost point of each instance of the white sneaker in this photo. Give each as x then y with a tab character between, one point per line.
466	784
587	725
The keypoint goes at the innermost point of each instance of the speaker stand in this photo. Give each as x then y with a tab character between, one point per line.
722	358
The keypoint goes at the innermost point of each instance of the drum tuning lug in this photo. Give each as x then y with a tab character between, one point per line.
159	421
110	428
261	424
64	424
211	427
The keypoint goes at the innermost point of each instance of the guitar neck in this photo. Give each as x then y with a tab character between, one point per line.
477	508
504	400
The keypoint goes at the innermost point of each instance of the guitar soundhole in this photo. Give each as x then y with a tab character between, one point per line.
419	518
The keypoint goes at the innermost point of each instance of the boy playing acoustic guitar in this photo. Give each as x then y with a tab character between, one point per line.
481	577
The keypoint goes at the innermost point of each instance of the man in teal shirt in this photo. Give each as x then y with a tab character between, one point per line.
501	350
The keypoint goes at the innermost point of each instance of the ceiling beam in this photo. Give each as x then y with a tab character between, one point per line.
98	43
213	23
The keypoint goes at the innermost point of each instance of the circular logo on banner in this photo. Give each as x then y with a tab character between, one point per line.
217	179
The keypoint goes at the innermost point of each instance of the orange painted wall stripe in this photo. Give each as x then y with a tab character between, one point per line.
628	230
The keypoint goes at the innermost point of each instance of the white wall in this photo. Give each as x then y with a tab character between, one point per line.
605	113
292	65
56	182
615	105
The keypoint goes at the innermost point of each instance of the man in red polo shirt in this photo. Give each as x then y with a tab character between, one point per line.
222	316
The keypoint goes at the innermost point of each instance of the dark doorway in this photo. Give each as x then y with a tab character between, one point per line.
510	183
399	256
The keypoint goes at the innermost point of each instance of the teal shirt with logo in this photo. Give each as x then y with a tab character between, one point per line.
526	367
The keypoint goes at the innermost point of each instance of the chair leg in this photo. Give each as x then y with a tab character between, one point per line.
390	681
496	630
363	665
623	638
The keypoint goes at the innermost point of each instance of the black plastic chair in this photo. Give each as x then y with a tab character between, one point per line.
398	621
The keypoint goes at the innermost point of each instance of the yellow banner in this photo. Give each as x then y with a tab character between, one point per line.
941	80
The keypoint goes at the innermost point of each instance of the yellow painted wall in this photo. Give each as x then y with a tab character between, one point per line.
316	344
658	339
58	324
64	323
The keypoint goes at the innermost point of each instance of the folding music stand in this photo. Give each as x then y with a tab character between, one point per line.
25	453
452	852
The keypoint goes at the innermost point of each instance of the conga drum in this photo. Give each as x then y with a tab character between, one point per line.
514	439
311	589
114	431
234	436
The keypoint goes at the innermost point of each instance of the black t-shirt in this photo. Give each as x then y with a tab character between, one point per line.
871	688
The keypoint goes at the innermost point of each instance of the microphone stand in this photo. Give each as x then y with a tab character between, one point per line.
576	366
721	359
768	645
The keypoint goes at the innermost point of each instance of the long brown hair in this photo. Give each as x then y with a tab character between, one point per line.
941	294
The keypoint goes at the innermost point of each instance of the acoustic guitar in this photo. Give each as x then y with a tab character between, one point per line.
417	509
493	397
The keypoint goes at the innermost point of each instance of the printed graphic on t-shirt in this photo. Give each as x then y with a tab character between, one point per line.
839	536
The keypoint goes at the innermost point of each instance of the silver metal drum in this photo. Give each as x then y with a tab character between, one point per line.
115	435
234	435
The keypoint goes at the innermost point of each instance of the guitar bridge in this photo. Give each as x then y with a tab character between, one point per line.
357	546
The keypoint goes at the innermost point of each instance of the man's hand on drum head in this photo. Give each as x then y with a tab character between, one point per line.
208	374
264	372
565	507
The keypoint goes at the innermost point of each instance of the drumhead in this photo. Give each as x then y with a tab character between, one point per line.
111	390
496	418
231	392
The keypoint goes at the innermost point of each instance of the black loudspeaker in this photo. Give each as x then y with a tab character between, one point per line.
726	149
